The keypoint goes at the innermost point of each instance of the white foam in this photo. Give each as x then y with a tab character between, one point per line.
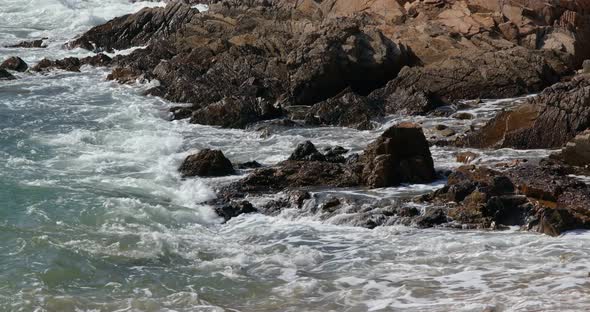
125	214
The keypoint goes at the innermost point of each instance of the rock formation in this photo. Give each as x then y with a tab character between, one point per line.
549	120
252	59
400	155
537	197
260	64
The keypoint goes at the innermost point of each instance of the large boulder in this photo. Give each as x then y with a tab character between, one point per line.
207	163
400	155
14	63
548	120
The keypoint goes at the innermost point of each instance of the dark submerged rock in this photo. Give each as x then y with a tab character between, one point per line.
235	209
14	63
29	44
249	165
5	75
307	152
207	163
432	217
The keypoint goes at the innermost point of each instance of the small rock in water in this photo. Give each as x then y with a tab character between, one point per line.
335	154
235	209
298	197
14	63
448	132
207	163
249	165
5	75
408	212
307	152
68	64
432	217
29	44
463	116
466	157
331	205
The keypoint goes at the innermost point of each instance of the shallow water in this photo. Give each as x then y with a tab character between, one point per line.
94	216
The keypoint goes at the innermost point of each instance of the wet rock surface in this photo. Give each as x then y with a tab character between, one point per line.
29	44
14	63
5	75
549	120
541	198
577	151
206	163
268	65
400	155
68	64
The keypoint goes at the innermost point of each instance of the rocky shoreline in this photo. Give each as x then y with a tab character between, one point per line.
261	63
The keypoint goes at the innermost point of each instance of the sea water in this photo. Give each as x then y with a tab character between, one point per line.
95	217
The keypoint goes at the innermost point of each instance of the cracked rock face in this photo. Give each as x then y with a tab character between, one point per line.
549	120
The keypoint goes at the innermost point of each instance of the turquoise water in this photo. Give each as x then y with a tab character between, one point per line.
94	216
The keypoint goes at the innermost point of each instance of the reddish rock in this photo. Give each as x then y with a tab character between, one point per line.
400	155
549	120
